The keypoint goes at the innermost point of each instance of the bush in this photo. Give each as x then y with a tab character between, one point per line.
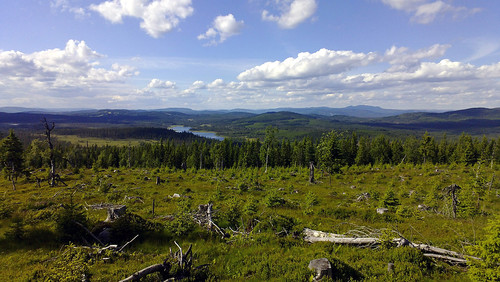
71	265
129	225
273	200
68	220
487	269
5	211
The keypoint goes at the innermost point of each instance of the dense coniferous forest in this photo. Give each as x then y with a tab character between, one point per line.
195	152
105	212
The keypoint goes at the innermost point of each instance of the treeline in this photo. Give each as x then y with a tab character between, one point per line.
149	133
333	151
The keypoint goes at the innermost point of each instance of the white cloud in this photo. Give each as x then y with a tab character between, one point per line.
64	73
224	27
402	57
66	6
218	83
411	78
160	84
158	16
292	14
306	65
425	11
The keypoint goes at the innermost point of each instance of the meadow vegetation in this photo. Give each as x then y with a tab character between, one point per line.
262	199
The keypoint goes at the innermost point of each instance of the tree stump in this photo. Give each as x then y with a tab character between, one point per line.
322	267
115	212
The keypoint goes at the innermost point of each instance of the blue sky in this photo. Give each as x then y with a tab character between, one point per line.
224	54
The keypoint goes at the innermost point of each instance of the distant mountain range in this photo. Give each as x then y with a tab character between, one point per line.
352	111
291	122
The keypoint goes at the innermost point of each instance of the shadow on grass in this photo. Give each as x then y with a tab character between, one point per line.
343	272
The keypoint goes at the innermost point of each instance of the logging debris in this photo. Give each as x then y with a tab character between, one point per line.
448	256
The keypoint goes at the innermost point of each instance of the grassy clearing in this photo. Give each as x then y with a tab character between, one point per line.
273	207
84	141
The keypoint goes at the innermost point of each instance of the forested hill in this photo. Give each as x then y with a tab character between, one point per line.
241	124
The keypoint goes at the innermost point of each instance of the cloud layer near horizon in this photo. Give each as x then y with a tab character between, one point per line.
422	78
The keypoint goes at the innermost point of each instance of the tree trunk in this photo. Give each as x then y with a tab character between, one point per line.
452	257
311	173
267	158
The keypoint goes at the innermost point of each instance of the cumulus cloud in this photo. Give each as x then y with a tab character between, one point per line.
160	84
218	83
158	16
67	73
327	77
305	65
293	12
425	11
403	57
222	27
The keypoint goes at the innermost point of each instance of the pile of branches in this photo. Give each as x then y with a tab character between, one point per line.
182	261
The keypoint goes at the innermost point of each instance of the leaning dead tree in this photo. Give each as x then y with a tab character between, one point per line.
448	256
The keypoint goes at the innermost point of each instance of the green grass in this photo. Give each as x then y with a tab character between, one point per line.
84	141
266	253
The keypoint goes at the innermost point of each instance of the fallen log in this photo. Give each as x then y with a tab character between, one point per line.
148	270
184	260
448	259
451	257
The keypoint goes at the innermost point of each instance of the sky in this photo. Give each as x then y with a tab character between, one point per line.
253	54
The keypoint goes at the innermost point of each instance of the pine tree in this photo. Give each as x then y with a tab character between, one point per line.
11	156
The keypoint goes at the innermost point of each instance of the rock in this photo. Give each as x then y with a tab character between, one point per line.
382	210
105	235
353	186
322	267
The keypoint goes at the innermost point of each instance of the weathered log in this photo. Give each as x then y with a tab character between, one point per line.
452	257
183	259
148	270
448	259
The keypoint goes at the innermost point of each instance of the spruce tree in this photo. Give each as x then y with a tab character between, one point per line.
11	156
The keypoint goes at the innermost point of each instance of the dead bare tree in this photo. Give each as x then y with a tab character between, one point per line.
311	173
452	190
48	130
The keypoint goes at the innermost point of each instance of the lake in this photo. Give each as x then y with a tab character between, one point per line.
205	134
